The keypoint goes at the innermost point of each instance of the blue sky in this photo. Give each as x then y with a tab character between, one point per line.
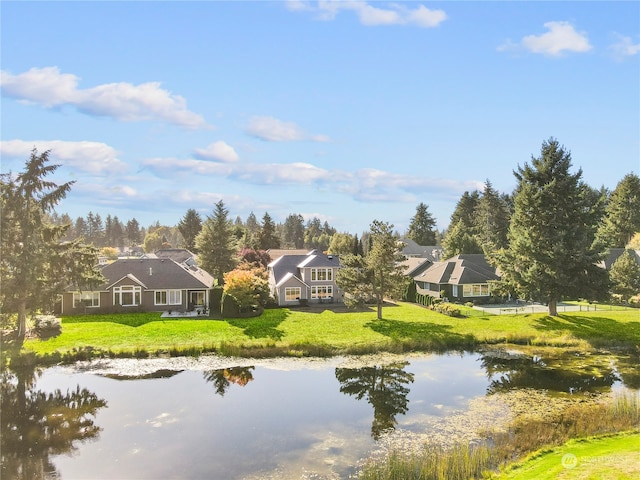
348	111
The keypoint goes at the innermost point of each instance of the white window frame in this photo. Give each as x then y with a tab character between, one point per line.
171	297
291	294
86	299
135	292
322	274
454	290
476	290
322	291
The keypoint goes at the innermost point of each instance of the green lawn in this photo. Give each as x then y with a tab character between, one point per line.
609	457
283	331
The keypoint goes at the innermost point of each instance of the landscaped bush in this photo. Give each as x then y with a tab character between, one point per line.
230	307
215	300
447	309
423	299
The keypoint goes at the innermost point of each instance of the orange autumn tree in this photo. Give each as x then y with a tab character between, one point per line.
249	285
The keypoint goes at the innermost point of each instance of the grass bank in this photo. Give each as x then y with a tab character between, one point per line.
290	332
532	447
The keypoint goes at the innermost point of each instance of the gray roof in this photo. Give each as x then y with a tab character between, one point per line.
178	255
293	263
157	274
412	249
613	254
461	269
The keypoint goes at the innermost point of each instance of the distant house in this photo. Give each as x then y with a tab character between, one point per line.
309	277
412	250
178	255
464	277
142	284
613	254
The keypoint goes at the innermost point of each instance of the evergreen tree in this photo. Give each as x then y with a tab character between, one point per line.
189	227
216	244
117	233
377	275
625	275
491	220
459	239
422	226
35	266
293	234
341	244
622	213
267	237
550	255
134	235
252	230
465	210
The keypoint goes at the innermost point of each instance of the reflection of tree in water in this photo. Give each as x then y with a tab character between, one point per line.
222	378
507	372
36	425
384	388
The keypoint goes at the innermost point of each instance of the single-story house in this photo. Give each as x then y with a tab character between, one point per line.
464	277
142	284
310	277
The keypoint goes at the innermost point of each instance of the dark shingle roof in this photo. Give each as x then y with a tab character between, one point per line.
458	270
157	274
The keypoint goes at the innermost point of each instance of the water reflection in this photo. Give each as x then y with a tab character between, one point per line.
36	425
222	378
384	387
566	373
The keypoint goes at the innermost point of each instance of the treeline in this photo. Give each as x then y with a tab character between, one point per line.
479	224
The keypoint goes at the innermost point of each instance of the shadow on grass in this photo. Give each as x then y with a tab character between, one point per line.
264	326
598	331
423	336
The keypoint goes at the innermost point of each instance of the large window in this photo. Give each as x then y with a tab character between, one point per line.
322	291
476	290
321	274
86	299
168	297
127	295
292	293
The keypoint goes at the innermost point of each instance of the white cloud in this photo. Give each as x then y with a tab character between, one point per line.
624	47
91	157
364	185
370	15
274	130
561	37
123	101
217	151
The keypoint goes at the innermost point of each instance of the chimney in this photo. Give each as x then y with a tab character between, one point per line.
150	271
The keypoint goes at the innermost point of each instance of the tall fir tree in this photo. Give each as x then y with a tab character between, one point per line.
216	244
622	213
551	252
491	220
190	226
422	226
35	265
267	236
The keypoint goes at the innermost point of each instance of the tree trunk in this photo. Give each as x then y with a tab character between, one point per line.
553	307
380	309
22	320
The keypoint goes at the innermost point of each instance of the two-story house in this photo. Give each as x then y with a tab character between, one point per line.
311	278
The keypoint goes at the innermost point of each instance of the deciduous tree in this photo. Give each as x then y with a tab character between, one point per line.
625	275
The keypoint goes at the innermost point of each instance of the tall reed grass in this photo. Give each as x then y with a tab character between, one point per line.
464	462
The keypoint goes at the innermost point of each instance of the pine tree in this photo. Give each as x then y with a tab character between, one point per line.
550	254
34	265
491	220
216	244
267	237
625	275
190	226
622	213
422	226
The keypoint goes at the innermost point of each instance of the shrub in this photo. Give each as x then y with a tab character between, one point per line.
230	307
215	299
447	309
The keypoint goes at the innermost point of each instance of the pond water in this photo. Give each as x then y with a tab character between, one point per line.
223	418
